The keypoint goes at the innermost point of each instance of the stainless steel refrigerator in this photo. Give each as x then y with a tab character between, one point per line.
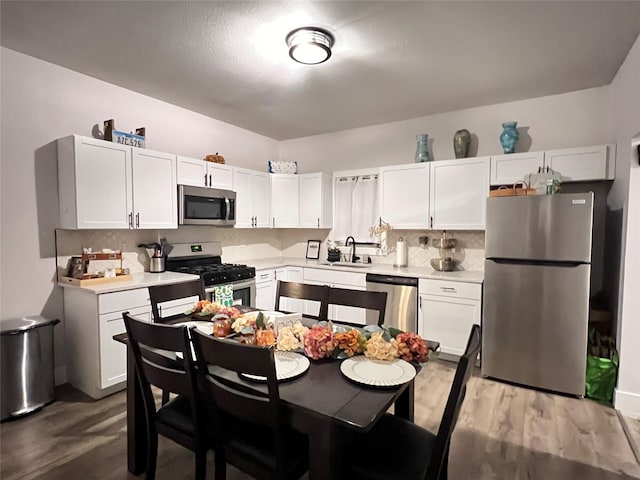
536	290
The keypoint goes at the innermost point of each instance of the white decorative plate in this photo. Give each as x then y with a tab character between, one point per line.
204	327
377	373
288	365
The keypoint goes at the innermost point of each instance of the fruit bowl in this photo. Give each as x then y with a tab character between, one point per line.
443	264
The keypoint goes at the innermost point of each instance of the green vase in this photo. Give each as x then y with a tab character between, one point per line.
461	142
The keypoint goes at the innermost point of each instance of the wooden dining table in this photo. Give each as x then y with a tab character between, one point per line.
321	403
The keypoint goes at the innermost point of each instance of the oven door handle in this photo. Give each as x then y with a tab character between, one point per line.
227	208
237	285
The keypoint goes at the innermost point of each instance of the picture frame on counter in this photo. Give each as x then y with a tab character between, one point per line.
313	249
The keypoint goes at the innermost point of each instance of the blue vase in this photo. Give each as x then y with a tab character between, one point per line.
422	154
509	137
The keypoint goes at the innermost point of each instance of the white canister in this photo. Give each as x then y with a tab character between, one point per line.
401	254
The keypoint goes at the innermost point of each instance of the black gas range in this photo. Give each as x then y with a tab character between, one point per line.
204	259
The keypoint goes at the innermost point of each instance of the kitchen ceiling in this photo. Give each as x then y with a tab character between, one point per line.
392	60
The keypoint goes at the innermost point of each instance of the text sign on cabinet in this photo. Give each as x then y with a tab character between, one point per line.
131	139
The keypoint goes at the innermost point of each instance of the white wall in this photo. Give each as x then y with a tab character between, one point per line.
42	102
624	102
557	121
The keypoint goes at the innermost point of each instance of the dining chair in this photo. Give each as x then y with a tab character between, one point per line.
159	294
359	298
180	419
253	435
304	291
417	453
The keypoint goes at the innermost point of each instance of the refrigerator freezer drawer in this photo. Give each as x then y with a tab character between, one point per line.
534	327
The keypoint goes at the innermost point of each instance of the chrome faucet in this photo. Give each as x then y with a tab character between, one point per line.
353	248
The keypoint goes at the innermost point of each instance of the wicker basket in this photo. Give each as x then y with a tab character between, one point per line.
519	189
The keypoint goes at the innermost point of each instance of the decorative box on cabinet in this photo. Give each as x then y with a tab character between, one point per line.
253	202
200	173
447	310
404	195
457	193
108	185
97	364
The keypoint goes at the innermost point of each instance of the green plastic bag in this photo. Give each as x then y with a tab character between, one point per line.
602	374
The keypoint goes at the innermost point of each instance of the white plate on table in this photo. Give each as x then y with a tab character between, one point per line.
377	373
288	365
204	327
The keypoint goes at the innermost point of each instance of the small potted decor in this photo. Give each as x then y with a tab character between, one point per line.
333	253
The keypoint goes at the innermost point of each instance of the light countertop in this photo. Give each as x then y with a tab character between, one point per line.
470	276
139	280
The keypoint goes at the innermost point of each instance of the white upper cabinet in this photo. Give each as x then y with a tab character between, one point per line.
284	200
315	200
458	192
200	173
107	185
574	164
582	164
511	168
404	195
155	196
253	200
192	171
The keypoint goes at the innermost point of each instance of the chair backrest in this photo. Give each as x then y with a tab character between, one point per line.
359	298
244	402
257	405
153	346
454	404
304	291
164	293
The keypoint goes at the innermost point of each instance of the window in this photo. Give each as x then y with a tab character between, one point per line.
356	208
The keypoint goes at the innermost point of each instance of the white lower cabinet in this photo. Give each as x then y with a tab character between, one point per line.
265	289
447	310
96	363
267	284
337	279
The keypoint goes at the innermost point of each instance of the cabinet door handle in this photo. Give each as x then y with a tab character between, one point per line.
138	220
318	222
205	180
131	220
210	181
420	302
448	289
274	222
431	222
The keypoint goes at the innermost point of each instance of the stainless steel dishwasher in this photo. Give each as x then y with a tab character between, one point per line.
402	301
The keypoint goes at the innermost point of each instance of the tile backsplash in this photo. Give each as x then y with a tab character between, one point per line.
242	245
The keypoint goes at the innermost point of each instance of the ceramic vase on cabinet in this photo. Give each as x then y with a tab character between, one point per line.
509	137
422	154
461	141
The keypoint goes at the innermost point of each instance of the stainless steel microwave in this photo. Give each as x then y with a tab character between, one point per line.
206	206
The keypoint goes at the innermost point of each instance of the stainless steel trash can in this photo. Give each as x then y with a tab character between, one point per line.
26	368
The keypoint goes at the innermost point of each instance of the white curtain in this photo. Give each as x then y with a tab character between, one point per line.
357	207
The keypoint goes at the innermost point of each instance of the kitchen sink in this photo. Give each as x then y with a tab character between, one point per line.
347	264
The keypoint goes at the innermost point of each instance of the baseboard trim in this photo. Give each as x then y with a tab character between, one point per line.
627	403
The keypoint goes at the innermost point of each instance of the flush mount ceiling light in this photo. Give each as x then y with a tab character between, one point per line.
310	45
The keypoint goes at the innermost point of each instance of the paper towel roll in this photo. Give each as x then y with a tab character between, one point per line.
401	253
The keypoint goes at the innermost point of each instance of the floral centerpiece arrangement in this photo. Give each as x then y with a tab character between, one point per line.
322	341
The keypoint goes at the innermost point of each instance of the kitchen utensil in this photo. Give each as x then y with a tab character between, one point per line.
157	264
156	257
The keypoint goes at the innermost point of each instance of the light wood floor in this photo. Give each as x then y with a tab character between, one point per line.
504	432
